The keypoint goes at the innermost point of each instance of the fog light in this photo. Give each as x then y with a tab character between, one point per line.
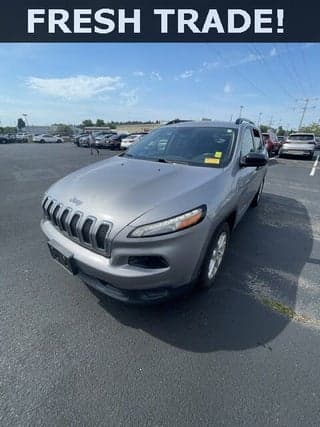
148	262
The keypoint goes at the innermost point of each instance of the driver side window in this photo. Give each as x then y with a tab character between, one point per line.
247	143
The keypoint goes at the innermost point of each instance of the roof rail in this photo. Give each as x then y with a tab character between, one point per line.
175	121
243	120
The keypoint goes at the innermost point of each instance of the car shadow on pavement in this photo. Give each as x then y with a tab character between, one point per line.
267	253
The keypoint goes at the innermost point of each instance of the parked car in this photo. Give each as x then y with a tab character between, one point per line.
46	138
317	143
114	141
131	139
22	137
4	139
301	144
7	138
76	139
281	138
271	142
156	220
101	139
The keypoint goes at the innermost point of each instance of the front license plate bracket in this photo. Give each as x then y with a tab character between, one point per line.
62	256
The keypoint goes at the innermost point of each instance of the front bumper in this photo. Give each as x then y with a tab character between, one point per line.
115	277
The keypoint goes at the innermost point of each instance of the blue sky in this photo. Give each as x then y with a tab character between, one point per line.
72	82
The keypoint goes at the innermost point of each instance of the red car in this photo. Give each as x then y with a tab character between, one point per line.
271	142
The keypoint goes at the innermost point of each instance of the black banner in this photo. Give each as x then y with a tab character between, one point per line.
160	21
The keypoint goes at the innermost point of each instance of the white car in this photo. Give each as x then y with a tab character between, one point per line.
299	144
46	138
22	137
131	139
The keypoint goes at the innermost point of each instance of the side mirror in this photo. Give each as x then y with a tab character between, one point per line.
254	160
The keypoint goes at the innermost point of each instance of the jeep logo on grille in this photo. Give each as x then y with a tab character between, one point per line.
75	201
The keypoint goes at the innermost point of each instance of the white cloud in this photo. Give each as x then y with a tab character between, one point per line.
208	66
273	52
73	88
227	88
139	74
129	98
187	74
155	76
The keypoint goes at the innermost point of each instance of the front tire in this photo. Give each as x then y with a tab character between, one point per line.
214	256
255	202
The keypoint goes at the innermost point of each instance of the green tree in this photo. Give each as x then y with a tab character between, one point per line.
111	125
281	131
64	130
21	124
100	123
87	123
264	128
312	128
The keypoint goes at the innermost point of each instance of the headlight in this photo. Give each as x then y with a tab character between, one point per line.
171	225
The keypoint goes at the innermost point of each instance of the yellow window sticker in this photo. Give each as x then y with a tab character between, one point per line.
218	154
212	160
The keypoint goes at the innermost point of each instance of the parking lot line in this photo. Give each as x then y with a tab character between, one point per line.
313	170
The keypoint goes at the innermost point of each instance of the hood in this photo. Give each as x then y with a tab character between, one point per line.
120	190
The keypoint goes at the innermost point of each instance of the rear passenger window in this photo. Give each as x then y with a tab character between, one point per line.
257	139
247	143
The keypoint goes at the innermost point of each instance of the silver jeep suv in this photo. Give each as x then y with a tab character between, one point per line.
157	219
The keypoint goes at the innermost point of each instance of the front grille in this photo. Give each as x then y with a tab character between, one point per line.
86	231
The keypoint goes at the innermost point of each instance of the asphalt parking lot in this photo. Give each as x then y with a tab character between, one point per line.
244	353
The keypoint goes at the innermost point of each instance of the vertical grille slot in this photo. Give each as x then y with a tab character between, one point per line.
86	230
63	220
49	208
55	214
73	225
101	235
44	206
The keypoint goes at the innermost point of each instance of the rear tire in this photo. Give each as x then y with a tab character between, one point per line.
214	256
310	157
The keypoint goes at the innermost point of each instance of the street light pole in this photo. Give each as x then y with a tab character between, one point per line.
241	109
259	119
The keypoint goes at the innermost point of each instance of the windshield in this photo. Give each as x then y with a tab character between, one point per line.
301	137
197	146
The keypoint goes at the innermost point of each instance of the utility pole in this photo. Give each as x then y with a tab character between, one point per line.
231	118
271	121
241	109
259	119
305	108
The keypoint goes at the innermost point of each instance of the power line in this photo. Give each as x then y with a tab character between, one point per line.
265	65
305	108
294	70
